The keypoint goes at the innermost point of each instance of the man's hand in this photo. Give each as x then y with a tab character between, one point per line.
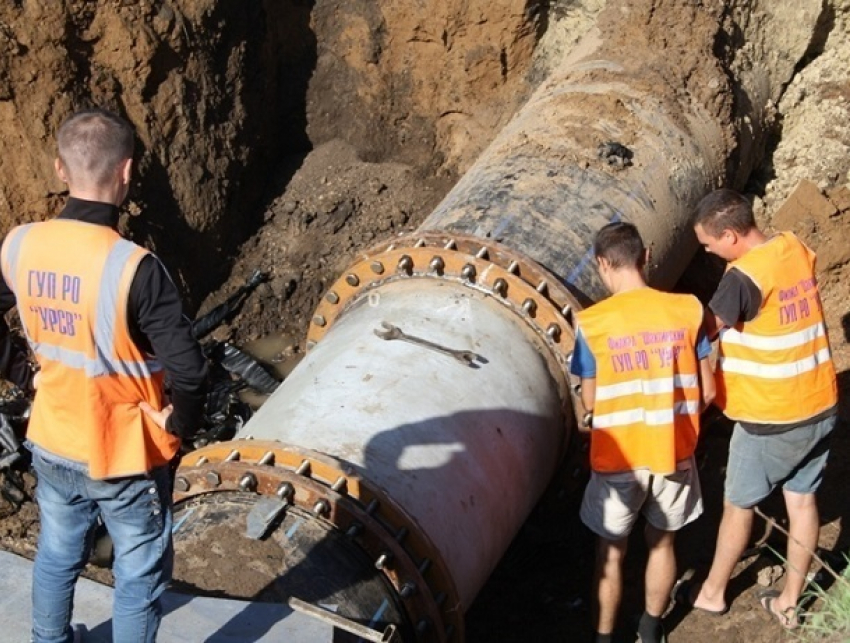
159	417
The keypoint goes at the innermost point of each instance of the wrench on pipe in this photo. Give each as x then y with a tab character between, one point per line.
394	332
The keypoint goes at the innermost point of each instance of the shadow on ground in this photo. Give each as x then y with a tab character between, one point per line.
541	589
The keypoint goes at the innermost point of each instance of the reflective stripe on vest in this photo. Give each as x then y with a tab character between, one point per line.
648	387
643	416
647	398
776	371
777	368
11	251
74	312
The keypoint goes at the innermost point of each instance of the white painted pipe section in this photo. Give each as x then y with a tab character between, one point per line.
466	451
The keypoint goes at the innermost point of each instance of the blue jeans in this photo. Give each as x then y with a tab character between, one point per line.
137	514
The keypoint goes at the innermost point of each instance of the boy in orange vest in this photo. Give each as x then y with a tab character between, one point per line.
105	323
776	379
642	356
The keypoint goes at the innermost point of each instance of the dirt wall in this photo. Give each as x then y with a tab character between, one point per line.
326	205
201	81
227	97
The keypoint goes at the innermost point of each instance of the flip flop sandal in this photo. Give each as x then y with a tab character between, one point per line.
684	596
787	618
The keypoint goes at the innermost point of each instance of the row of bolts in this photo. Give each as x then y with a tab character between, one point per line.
286	492
468	272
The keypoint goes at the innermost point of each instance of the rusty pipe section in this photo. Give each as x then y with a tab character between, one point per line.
560	171
429	466
604	139
426	463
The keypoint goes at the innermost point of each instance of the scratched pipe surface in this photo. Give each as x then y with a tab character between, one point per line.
452	444
466	452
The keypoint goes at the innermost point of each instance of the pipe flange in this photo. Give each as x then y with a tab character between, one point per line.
530	291
483	264
332	491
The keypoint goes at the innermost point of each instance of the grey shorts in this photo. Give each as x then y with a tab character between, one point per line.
613	501
759	463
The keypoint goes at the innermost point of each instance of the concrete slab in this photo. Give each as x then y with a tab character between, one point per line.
187	618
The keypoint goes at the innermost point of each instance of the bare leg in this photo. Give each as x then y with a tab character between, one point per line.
609	581
732	539
660	569
804	529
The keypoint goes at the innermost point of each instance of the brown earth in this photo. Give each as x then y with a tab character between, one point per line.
223	94
287	136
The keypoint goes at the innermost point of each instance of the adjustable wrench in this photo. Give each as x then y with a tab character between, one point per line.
394	332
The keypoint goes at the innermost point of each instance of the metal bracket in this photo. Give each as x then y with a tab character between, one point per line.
389	635
263	514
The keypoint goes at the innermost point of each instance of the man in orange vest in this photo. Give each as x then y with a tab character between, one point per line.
776	379
105	323
642	356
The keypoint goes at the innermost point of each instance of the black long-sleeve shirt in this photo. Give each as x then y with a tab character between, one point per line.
156	322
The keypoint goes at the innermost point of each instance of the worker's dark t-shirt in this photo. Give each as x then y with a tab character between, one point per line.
156	321
738	299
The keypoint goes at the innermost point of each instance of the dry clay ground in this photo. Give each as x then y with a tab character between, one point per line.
335	203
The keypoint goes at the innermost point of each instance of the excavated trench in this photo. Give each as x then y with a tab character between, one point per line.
293	136
433	471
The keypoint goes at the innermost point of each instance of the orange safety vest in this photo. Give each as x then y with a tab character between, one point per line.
71	280
646	413
777	368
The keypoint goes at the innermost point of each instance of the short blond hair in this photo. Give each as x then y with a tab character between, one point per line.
92	144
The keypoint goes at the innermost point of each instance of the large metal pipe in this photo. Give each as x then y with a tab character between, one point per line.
432	463
560	171
431	466
453	442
